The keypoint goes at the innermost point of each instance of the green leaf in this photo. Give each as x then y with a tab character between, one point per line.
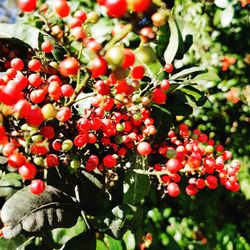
194	94
129	239
23	32
163	121
173	44
45	211
12	244
122	218
227	16
83	241
136	186
9	184
113	243
62	235
208	77
188	72
93	197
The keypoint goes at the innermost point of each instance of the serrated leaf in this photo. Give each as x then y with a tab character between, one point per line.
173	44
62	235
45	211
136	186
9	184
86	240
188	72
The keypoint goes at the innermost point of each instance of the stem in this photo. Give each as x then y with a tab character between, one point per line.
25	243
82	212
118	37
153	173
80	85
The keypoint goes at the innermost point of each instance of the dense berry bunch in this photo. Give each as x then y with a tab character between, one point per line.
41	127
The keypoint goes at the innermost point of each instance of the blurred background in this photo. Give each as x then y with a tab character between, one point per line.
211	220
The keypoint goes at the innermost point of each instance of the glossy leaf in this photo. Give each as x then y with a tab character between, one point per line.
45	211
188	72
9	184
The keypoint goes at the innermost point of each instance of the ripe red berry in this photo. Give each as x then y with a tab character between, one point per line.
82	15
51	160
116	8
141	5
173	189
129	58
191	189
27	5
69	66
37	186
17	64
61	7
47	47
165	85
34	65
158	96
109	161
98	67
169	68
144	148
137	72
27	171
16	160
173	165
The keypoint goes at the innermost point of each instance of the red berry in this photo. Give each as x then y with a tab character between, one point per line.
27	5
158	96
98	67
17	64
129	58
63	114
47	47
173	165
116	8
61	7
109	161
37	186
165	85
144	148
141	5
168	68
34	65
173	189
137	72
69	66
16	160
82	15
27	171
51	160
191	189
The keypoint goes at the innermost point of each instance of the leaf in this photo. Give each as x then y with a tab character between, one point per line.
9	184
221	3
173	44
93	197
227	16
129	239
83	241
12	244
194	94
136	186
45	211
122	218
62	235
163	121
208	76
113	243
188	72
23	32
83	102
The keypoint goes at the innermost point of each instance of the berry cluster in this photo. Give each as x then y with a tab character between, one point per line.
41	128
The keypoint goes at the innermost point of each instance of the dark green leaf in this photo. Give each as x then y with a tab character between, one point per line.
84	241
93	197
23	32
122	218
45	211
194	94
62	235
9	184
136	186
187	72
163	121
